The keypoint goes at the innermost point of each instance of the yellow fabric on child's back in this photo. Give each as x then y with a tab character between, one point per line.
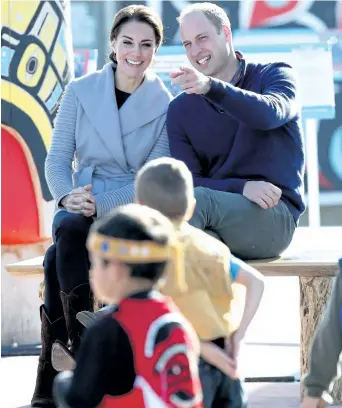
207	301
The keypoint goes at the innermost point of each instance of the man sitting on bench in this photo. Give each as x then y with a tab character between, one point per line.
237	126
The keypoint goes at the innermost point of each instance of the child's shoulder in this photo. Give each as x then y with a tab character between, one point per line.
105	323
203	246
105	331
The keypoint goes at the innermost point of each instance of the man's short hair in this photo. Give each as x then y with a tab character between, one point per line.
214	13
166	185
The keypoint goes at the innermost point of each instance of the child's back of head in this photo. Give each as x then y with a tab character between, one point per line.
166	185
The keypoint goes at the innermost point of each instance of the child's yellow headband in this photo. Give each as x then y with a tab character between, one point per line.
129	251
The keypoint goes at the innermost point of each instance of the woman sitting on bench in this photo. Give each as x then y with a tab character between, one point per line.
111	122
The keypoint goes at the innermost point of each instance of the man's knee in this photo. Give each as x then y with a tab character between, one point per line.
71	224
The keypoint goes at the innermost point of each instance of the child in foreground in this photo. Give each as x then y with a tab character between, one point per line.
210	269
143	353
325	351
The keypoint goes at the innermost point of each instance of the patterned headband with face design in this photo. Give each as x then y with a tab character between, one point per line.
138	252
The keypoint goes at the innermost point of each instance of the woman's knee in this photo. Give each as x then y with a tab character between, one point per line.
50	256
71	224
50	273
49	264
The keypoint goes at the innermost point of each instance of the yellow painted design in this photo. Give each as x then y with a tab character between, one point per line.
58	58
36	51
30	106
18	14
48	85
31	65
48	30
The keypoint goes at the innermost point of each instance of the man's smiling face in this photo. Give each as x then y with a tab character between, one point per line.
207	48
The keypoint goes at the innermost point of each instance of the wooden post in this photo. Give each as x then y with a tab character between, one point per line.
314	293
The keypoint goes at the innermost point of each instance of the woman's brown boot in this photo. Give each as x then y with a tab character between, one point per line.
50	332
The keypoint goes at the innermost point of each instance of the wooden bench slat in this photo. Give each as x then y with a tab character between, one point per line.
308	270
280	267
25	269
311	253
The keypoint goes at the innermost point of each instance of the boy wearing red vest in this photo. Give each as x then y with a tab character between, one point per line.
143	353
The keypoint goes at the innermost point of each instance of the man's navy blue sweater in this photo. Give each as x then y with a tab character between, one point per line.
250	131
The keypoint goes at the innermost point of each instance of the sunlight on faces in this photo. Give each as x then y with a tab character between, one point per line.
107	280
207	50
135	48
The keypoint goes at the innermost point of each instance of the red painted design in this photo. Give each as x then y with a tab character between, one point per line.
19	210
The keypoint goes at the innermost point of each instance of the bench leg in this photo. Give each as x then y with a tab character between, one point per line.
314	293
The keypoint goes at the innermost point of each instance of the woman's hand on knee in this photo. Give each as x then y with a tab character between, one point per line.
89	208
80	201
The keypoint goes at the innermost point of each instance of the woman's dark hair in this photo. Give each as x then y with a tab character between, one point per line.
141	14
138	223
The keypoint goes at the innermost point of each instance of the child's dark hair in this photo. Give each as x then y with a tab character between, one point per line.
138	223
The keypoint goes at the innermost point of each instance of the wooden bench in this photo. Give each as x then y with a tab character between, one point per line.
312	253
312	256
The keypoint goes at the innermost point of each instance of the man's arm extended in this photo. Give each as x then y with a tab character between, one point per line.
276	106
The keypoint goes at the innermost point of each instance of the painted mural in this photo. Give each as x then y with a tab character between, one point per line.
36	64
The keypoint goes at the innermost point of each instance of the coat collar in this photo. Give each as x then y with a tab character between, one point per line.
96	94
